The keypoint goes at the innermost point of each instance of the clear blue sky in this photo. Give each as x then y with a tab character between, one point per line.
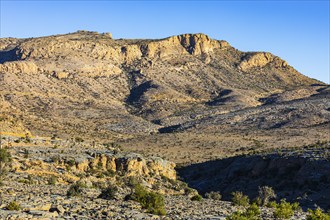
297	31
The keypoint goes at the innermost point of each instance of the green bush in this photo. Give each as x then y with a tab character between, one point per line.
109	173
79	139
132	181
196	198
75	189
71	162
109	192
188	190
26	153
213	195
296	206
5	160
240	199
153	202
5	156
272	204
317	214
52	180
13	206
237	216
257	201
30	180
251	213
285	210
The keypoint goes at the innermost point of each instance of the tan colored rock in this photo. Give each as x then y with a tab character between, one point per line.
61	75
260	60
15	67
198	44
38	207
256	60
195	44
162	167
111	164
108	34
82	165
132	165
131	53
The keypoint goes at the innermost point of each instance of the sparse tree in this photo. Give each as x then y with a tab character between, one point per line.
266	193
240	199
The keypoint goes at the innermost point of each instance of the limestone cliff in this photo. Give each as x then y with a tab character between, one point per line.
89	161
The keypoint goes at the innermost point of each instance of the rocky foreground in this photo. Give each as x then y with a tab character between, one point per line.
39	178
44	202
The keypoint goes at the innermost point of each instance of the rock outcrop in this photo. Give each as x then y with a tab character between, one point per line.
26	67
259	60
130	164
123	164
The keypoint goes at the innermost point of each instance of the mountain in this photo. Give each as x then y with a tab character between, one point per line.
87	84
103	128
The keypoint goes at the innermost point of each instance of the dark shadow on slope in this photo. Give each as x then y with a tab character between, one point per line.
269	100
296	178
221	99
9	55
169	129
137	92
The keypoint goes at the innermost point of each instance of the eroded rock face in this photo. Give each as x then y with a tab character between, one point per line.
198	44
195	44
131	164
125	164
260	60
106	49
15	67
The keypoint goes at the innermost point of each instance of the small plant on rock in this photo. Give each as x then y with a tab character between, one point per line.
109	192
272	204
153	202
52	180
213	195
257	201
251	213
26	153
285	210
196	198
5	160
317	214
188	190
13	206
75	189
240	199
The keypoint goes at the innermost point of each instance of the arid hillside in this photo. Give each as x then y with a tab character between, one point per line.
186	93
177	128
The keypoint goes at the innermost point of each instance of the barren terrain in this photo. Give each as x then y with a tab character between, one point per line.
188	100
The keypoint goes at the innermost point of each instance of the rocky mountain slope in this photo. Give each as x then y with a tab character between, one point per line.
89	84
86	108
